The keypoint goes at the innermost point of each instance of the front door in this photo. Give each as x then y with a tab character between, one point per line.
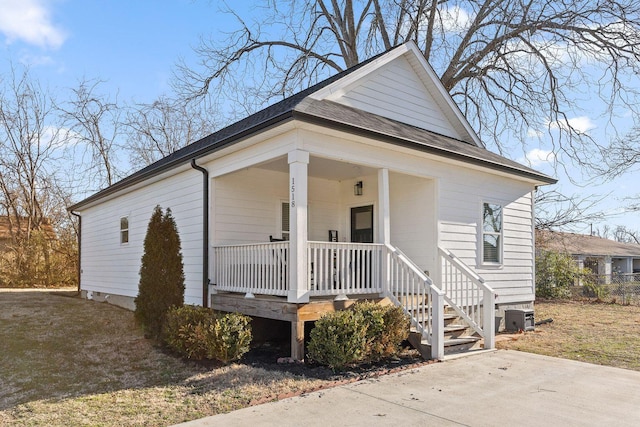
362	224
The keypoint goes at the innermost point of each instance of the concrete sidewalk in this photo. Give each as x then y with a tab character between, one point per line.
497	388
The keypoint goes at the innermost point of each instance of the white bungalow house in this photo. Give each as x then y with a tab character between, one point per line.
606	261
370	184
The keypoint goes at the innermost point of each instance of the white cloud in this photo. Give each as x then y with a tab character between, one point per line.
537	157
58	138
454	19
581	124
533	133
30	21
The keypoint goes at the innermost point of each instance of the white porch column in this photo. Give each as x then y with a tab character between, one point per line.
607	270
580	261
298	286
384	224
384	221
629	267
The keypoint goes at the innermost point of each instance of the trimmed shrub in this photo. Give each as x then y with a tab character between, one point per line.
388	326
368	332
338	339
161	273
200	333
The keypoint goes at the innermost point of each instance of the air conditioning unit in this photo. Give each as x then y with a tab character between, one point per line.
519	320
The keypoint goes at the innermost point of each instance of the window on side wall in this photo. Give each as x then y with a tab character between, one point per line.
491	233
124	230
285	220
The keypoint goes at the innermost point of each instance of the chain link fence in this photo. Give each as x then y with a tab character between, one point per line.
622	288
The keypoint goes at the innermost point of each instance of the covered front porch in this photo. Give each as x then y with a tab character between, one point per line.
298	235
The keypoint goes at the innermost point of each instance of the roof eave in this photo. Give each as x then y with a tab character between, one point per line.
323	121
137	178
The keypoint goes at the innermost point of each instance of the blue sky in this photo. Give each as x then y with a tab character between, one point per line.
133	45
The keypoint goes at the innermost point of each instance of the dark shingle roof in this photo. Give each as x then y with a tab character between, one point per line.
329	114
336	115
276	113
580	244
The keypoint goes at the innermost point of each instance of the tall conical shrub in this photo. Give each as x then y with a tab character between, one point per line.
161	273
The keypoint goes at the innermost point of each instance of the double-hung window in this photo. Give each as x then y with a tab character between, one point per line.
491	233
284	220
124	230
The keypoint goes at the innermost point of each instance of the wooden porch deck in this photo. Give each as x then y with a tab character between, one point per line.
277	308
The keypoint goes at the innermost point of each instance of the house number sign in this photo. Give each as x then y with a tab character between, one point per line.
293	192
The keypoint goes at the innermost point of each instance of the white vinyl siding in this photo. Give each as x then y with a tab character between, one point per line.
412	217
249	207
461	230
396	92
113	268
124	230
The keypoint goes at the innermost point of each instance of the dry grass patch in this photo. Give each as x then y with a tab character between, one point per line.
67	361
604	334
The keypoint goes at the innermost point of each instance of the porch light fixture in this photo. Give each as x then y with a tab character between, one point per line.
357	189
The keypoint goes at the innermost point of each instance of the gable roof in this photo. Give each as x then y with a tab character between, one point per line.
301	106
580	244
427	76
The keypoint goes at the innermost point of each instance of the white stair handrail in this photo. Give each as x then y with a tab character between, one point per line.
466	302
423	301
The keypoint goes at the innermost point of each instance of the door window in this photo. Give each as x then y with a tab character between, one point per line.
362	224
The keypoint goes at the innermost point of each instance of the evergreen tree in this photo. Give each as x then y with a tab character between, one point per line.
161	273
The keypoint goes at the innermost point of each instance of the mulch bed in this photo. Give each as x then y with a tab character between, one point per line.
268	355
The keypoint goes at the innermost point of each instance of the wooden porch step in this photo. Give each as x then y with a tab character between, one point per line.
454	331
447	316
460	344
451	345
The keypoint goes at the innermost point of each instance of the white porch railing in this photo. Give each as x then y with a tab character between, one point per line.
344	268
414	291
259	268
468	295
336	269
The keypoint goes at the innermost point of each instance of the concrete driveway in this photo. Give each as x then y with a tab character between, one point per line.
506	388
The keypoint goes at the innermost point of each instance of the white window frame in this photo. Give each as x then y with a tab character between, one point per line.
499	235
285	207
124	232
286	234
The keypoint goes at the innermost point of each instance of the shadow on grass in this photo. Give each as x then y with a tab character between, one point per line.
58	346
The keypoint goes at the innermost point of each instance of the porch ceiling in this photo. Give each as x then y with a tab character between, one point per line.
320	167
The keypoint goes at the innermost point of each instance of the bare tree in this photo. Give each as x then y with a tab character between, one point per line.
626	235
158	129
27	145
93	123
30	146
510	64
555	210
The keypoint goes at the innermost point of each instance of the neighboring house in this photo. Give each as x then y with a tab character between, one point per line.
12	226
606	259
368	184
